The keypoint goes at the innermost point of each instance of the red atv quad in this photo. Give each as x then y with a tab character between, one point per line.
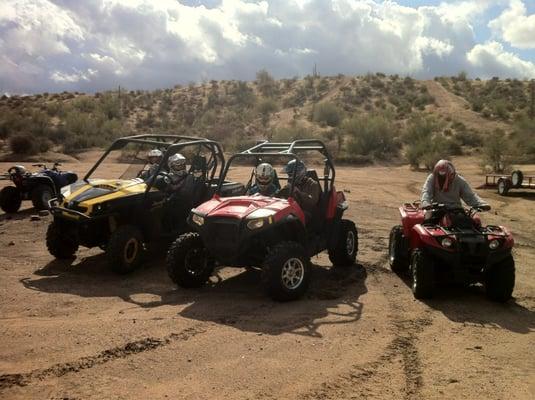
452	246
266	232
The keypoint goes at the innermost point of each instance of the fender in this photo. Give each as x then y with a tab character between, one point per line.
421	238
42	179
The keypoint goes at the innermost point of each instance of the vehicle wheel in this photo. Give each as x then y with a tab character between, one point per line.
125	249
61	240
500	280
41	195
10	199
516	178
422	274
286	271
396	256
188	262
345	251
503	187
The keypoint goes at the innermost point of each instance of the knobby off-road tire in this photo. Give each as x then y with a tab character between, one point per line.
422	275
344	252
10	199
61	241
286	271
41	195
124	250
500	280
397	257
188	262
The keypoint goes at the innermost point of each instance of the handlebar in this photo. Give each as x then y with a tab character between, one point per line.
441	206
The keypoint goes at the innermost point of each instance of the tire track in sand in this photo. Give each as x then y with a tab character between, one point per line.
358	381
105	356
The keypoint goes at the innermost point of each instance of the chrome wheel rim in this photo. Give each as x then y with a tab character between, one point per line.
350	243
293	273
501	187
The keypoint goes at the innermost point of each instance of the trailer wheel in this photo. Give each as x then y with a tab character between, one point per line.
516	178
503	186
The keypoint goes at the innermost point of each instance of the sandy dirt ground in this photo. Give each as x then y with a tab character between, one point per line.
75	330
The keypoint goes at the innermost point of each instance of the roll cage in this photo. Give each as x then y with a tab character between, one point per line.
172	144
287	150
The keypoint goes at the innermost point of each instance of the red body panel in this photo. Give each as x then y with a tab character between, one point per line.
410	216
241	206
334	199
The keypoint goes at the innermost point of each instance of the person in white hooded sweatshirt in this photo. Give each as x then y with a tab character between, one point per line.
445	186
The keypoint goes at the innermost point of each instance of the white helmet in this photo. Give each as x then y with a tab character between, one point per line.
154	156
177	164
264	175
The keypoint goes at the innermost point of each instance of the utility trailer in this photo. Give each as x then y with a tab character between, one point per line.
504	183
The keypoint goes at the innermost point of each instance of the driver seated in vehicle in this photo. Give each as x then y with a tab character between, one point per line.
154	157
306	190
264	181
177	181
445	186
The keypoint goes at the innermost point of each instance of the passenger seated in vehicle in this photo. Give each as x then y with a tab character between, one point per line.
264	181
306	191
154	157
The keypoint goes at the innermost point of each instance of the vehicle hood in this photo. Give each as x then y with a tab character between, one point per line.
101	190
240	207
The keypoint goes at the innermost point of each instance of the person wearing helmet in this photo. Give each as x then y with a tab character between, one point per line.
154	157
445	186
264	181
177	179
306	191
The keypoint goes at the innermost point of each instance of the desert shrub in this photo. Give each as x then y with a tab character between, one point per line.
370	135
288	134
244	95
425	144
265	108
496	152
265	83
22	144
468	138
499	109
85	104
523	143
327	113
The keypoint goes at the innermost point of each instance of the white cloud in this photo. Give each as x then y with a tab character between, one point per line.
491	59
98	44
515	26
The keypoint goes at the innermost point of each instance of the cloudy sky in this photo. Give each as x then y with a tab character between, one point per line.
90	45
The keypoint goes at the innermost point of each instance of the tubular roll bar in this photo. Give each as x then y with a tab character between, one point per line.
288	149
174	142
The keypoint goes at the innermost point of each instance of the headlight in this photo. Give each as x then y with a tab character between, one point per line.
494	244
261	213
447	242
255	223
259	218
197	219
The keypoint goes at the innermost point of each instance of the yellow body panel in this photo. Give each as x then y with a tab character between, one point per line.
119	187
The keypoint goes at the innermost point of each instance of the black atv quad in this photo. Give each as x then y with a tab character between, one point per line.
126	214
39	187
